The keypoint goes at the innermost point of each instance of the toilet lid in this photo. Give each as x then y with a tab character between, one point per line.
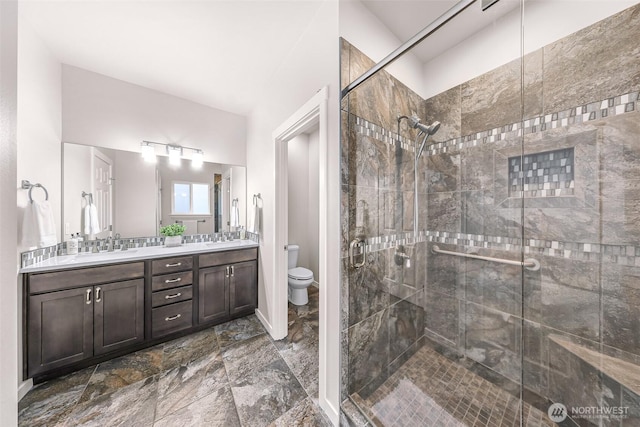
300	273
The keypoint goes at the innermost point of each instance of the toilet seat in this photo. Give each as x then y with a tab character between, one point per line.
300	273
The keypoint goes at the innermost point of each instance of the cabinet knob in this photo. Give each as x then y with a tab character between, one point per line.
232	271
170	318
173	296
227	271
88	298
173	280
98	295
177	264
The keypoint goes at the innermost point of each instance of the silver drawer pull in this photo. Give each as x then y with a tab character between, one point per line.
169	319
88	300
173	280
177	264
173	296
98	295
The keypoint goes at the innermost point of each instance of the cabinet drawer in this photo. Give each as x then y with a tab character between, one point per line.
168	281
171	318
171	296
228	257
47	282
168	265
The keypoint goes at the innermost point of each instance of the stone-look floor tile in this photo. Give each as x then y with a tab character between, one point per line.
300	350
123	371
133	405
186	349
249	356
215	409
185	384
238	330
304	414
266	394
48	404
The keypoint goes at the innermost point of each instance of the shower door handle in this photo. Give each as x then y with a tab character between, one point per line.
357	242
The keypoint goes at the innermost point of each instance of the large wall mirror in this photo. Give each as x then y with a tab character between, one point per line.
134	198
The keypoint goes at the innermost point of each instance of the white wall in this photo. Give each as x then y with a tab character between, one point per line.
106	112
312	64
304	209
298	197
313	229
9	317
365	31
135	189
39	120
545	21
38	136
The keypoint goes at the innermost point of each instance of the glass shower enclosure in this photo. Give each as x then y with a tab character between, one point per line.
491	221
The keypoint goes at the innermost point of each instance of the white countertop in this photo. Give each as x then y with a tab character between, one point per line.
87	259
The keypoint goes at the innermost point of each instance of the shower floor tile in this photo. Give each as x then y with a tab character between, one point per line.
431	390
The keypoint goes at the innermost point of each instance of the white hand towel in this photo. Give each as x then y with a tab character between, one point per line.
91	223
235	217
254	219
39	226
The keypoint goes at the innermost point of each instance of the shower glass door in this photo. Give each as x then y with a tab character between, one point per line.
581	320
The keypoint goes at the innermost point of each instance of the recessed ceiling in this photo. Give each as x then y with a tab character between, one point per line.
405	18
217	53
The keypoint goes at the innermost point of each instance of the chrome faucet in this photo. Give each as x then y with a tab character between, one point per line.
109	244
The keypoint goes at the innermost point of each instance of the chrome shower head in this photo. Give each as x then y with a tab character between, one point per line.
414	122
429	130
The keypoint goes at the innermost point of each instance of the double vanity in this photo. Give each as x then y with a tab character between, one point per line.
82	309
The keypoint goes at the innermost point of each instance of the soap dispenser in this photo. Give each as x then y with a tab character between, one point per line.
72	245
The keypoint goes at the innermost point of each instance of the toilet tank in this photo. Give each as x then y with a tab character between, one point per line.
293	255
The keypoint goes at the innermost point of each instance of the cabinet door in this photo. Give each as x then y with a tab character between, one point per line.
243	287
213	294
60	329
119	315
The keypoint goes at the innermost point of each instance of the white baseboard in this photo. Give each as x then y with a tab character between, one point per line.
264	321
24	388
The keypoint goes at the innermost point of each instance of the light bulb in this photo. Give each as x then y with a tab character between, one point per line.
197	159
148	152
175	153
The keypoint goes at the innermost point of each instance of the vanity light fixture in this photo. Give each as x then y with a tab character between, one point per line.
174	151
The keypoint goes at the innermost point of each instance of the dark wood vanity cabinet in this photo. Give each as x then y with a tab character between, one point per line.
172	296
65	326
227	285
76	317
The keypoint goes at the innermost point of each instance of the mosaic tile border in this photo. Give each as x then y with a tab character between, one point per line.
372	130
628	255
609	107
29	258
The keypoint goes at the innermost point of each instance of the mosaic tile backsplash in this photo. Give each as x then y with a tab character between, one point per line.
38	255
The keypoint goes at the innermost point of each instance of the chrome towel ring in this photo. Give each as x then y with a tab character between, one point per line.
26	185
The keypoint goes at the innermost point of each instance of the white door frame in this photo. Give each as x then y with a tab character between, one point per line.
314	113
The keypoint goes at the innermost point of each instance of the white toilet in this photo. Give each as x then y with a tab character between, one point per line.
299	278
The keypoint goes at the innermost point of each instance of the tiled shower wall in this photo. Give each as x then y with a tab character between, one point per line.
573	327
